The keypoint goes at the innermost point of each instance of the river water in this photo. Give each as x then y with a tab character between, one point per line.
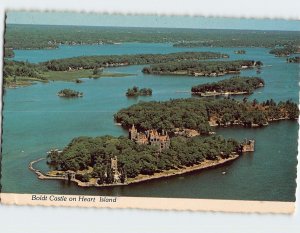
36	120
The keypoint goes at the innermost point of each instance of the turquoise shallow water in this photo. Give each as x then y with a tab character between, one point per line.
36	119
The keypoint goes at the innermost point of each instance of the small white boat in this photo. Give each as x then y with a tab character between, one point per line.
223	173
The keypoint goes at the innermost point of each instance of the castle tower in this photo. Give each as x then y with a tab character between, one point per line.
133	134
248	145
114	169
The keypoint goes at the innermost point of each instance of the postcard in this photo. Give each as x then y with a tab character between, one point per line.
150	111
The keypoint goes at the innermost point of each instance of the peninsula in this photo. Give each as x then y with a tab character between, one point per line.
232	86
205	68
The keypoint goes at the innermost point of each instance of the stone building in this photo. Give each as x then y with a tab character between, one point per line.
248	146
150	137
114	169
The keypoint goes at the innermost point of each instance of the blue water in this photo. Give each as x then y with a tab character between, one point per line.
36	119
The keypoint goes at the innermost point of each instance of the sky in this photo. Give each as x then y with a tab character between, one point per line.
93	19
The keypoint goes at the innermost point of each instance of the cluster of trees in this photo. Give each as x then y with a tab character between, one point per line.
197	113
200	68
69	93
234	84
293	60
90	62
284	51
8	53
46	36
135	91
135	159
22	69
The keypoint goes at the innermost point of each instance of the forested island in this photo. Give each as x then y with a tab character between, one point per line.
232	86
285	51
293	60
135	91
205	68
68	93
201	114
51	36
108	160
71	69
90	62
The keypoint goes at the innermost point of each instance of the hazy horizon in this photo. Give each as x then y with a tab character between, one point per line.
148	21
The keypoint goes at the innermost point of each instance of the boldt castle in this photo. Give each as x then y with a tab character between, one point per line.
150	137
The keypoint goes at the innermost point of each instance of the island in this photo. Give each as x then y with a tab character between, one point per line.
240	51
201	114
68	93
285	51
293	60
135	91
17	73
232	86
153	149
205	68
112	161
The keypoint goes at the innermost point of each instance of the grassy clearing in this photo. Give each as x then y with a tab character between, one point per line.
66	76
72	76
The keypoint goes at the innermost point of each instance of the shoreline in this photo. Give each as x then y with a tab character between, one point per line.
208	93
140	178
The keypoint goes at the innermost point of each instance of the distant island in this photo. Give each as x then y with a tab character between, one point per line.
135	91
205	68
285	51
51	37
69	93
232	86
240	51
17	73
293	60
90	62
202	114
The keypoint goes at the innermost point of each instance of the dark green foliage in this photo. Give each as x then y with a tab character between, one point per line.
234	84
90	62
134	159
21	69
204	67
196	113
8	53
293	60
284	52
135	91
83	178
69	93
